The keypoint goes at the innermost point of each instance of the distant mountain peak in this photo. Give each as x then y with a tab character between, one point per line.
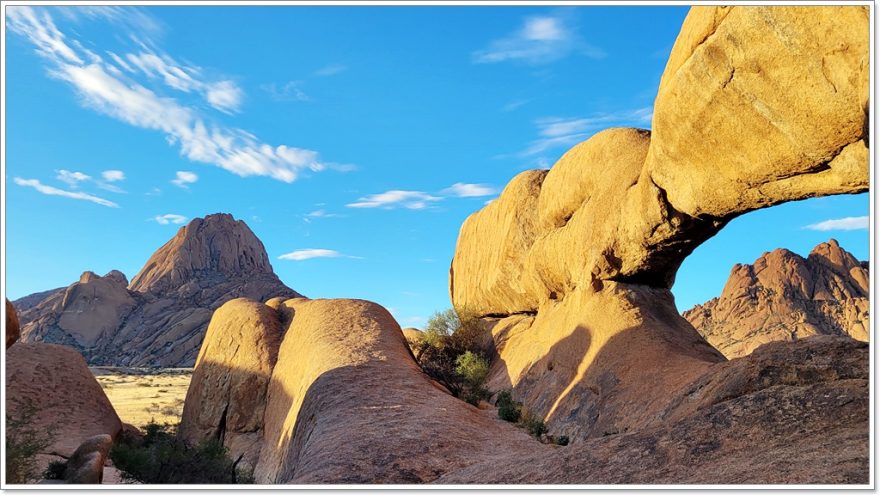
782	296
217	246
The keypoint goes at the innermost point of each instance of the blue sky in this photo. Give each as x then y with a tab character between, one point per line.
353	140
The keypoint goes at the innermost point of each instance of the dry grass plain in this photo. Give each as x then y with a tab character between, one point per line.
141	395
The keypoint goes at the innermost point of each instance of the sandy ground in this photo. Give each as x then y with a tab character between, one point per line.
140	395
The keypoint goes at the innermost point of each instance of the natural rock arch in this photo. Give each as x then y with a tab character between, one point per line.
757	106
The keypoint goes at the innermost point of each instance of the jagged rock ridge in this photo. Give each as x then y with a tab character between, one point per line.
161	317
783	296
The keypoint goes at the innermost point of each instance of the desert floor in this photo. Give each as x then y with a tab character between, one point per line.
140	395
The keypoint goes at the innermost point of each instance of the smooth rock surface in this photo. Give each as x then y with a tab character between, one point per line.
86	465
52	387
226	398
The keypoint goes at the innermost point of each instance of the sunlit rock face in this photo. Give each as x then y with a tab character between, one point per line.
572	267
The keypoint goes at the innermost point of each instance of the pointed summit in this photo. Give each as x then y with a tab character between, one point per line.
216	247
161	317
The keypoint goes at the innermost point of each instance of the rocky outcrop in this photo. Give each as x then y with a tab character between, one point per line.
231	376
573	266
345	401
12	328
86	465
51	388
160	318
792	412
783	296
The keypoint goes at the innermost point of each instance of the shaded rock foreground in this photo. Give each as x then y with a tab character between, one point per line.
161	317
783	296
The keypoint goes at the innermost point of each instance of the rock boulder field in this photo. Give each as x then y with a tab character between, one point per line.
783	296
571	268
160	318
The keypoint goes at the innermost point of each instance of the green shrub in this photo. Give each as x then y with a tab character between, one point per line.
163	457
450	352
23	442
55	470
533	424
561	440
508	409
472	368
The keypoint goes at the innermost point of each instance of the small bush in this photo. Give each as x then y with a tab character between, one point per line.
55	470
163	457
472	368
23	442
533	424
561	440
508	409
450	336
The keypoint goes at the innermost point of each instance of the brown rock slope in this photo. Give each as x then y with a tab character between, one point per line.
344	402
51	388
161	317
783	296
572	267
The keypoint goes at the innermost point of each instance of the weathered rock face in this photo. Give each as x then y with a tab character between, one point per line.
159	319
757	106
345	401
12	328
783	296
52	388
231	376
791	412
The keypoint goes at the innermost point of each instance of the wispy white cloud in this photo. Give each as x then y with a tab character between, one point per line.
54	191
129	17
289	91
414	200
330	70
224	95
555	132
170	218
541	40
513	105
306	254
463	190
106	89
321	214
184	179
848	223
113	175
72	179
